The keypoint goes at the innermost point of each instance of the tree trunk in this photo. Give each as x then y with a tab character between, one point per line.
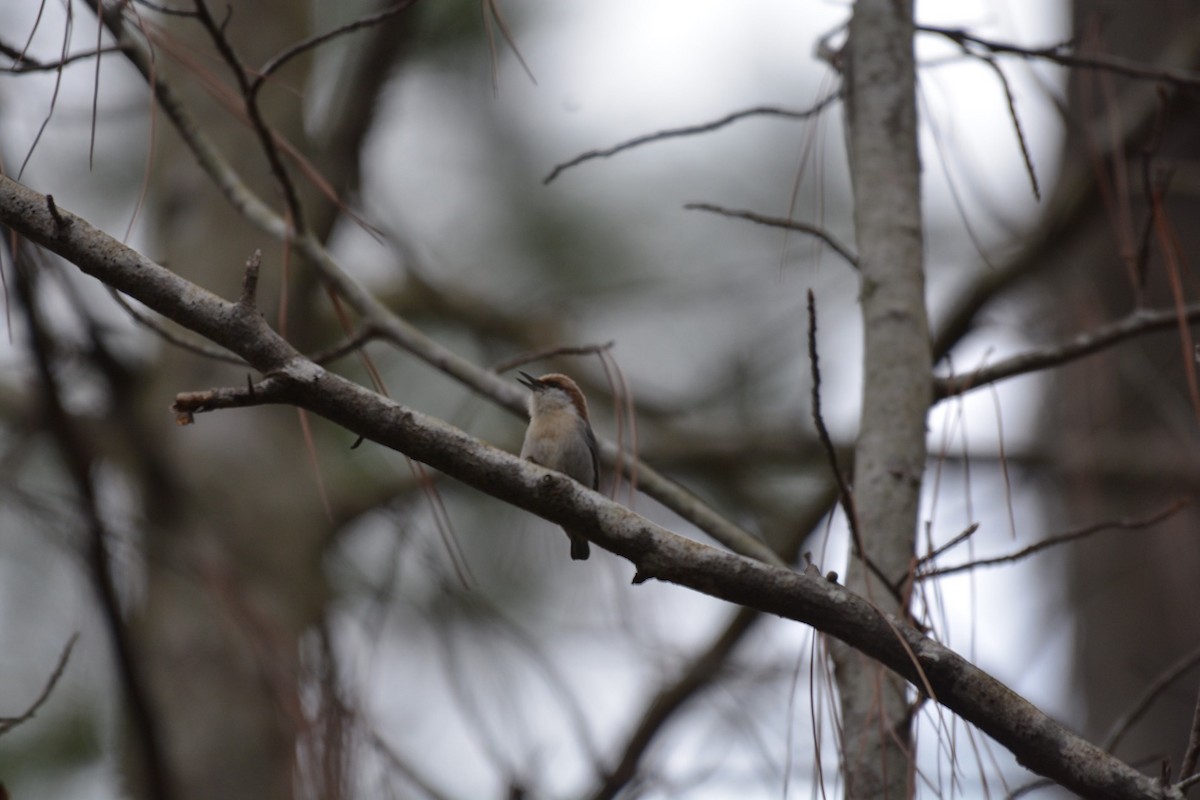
890	454
1134	594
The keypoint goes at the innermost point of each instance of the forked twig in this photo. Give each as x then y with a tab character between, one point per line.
266	136
268	391
1059	55
950	545
1062	538
1085	344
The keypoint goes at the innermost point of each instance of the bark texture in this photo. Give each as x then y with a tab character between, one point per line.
889	459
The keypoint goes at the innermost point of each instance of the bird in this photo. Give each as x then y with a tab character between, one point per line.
560	437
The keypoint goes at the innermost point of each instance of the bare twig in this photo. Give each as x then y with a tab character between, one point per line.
346	347
1188	766
1085	344
167	10
1011	100
169	336
1188	783
1062	538
551	352
78	459
777	222
53	95
53	209
692	130
23	62
1159	685
666	704
845	494
8	723
268	391
1059	54
950	545
304	45
249	297
266	137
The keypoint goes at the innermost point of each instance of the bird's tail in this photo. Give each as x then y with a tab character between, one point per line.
580	549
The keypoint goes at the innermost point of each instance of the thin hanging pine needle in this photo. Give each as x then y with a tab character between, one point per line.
491	11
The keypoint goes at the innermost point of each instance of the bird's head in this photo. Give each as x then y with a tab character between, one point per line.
554	392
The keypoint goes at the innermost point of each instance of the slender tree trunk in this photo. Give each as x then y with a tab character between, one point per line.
881	132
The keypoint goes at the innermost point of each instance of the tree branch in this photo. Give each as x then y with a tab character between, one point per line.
692	130
1059	54
1054	541
22	62
8	723
316	40
790	224
1085	344
266	137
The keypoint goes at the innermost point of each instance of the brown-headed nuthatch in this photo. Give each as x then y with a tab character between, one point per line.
560	437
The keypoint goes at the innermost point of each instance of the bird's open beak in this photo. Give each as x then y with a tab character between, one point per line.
528	380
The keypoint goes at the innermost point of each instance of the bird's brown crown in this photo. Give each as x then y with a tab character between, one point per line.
556	380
